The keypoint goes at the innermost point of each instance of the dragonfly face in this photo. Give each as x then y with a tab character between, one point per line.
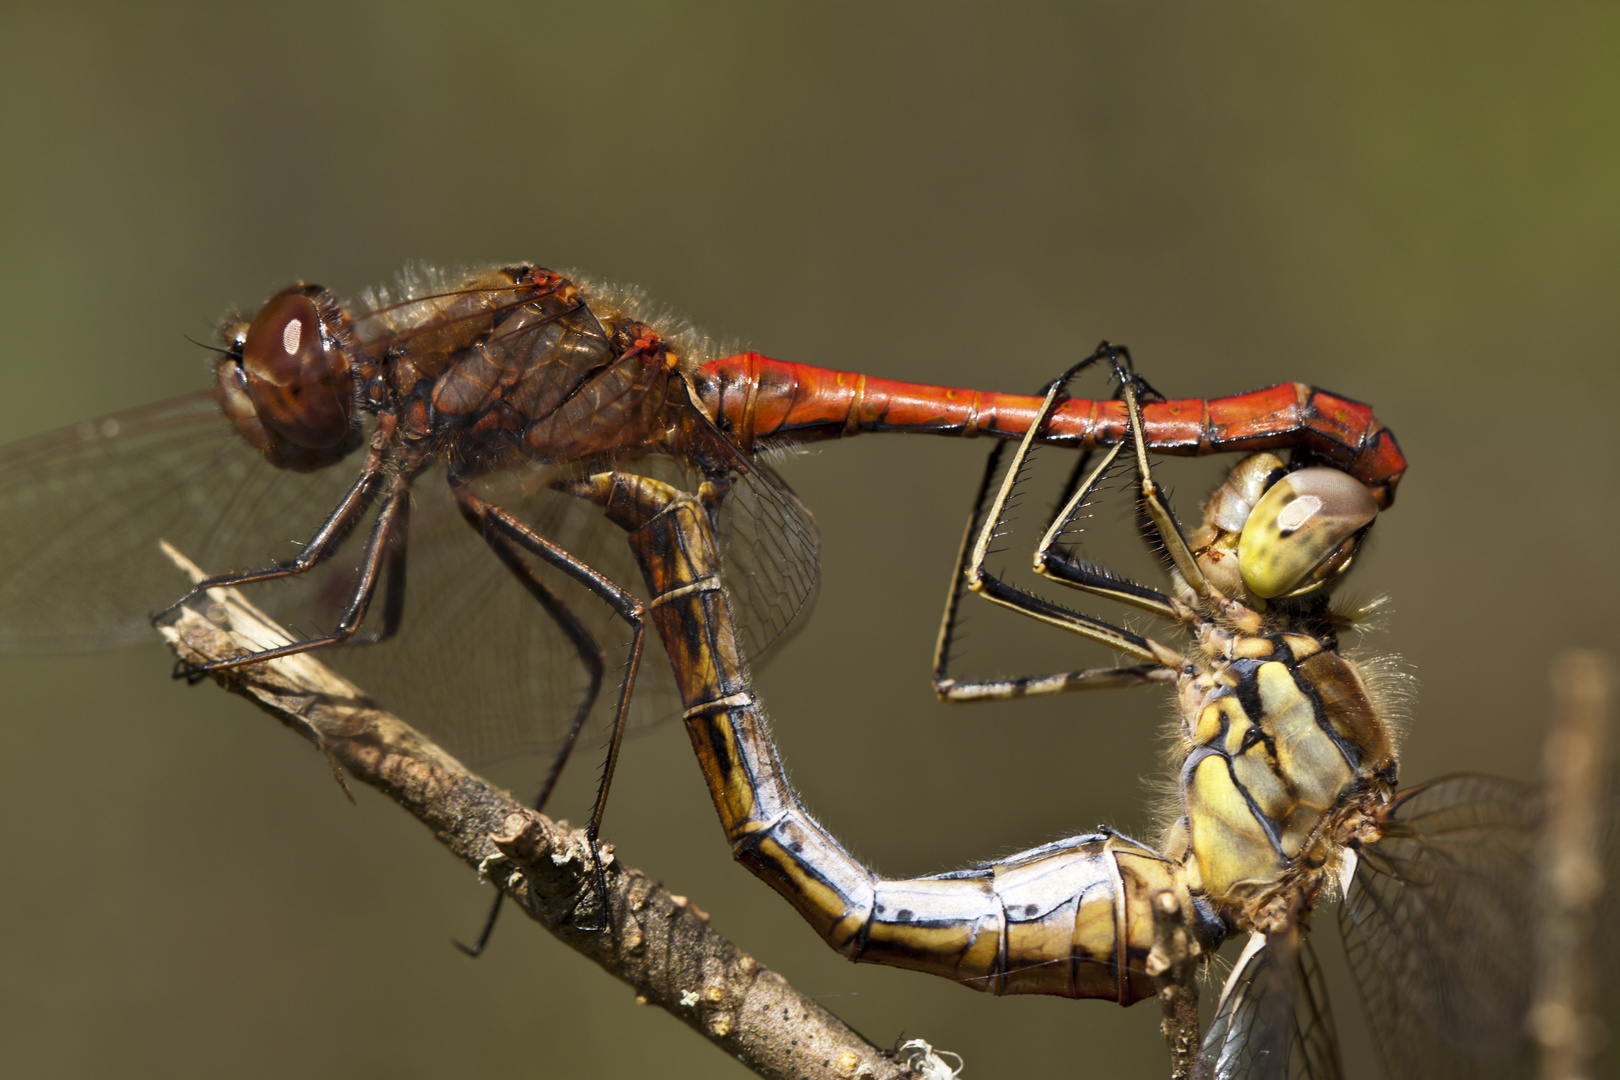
287	381
1271	534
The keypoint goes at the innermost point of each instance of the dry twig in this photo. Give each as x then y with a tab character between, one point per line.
659	943
1173	963
1565	1019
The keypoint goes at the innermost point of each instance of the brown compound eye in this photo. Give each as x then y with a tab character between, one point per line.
1303	532
300	389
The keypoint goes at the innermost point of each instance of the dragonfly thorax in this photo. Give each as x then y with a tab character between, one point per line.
1282	748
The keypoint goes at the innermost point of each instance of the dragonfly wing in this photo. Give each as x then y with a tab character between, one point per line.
1273	1020
769	558
1438	921
478	663
82	510
1316	1042
475	660
769	546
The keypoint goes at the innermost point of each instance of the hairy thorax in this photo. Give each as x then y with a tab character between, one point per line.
517	363
1285	755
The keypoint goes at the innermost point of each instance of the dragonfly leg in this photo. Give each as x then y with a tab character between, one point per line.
1166	531
394	575
1052	561
327	539
590	656
377	544
495	521
952	689
988	522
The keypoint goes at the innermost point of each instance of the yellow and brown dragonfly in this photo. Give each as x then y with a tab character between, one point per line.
1287	792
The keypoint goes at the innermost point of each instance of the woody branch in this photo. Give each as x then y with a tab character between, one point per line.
659	943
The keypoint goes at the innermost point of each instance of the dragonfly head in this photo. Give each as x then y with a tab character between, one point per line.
286	380
1271	534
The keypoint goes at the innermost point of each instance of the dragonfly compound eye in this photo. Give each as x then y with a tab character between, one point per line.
299	385
1245	485
1303	532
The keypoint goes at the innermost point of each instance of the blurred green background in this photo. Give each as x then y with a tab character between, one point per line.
1420	209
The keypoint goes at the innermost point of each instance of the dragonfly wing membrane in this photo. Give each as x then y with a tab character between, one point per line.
82	510
1273	1021
769	554
475	661
769	545
1438	922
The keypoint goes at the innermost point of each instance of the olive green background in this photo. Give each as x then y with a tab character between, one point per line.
1416	208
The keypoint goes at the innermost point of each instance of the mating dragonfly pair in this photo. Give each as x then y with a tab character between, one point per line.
524	391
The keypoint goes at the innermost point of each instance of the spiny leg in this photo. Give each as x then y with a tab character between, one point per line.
990	521
1053	561
590	655
394	575
1058	564
1161	519
494	520
956	690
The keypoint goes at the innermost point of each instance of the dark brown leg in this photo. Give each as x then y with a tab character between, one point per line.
590	655
377	543
393	573
331	534
494	521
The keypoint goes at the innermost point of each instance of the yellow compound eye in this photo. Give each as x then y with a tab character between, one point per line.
1303	532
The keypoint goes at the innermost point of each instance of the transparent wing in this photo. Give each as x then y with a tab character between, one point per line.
475	660
1316	1042
1438	923
476	652
1273	1021
81	510
768	540
769	557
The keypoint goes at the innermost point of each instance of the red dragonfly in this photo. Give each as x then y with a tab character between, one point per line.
499	385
